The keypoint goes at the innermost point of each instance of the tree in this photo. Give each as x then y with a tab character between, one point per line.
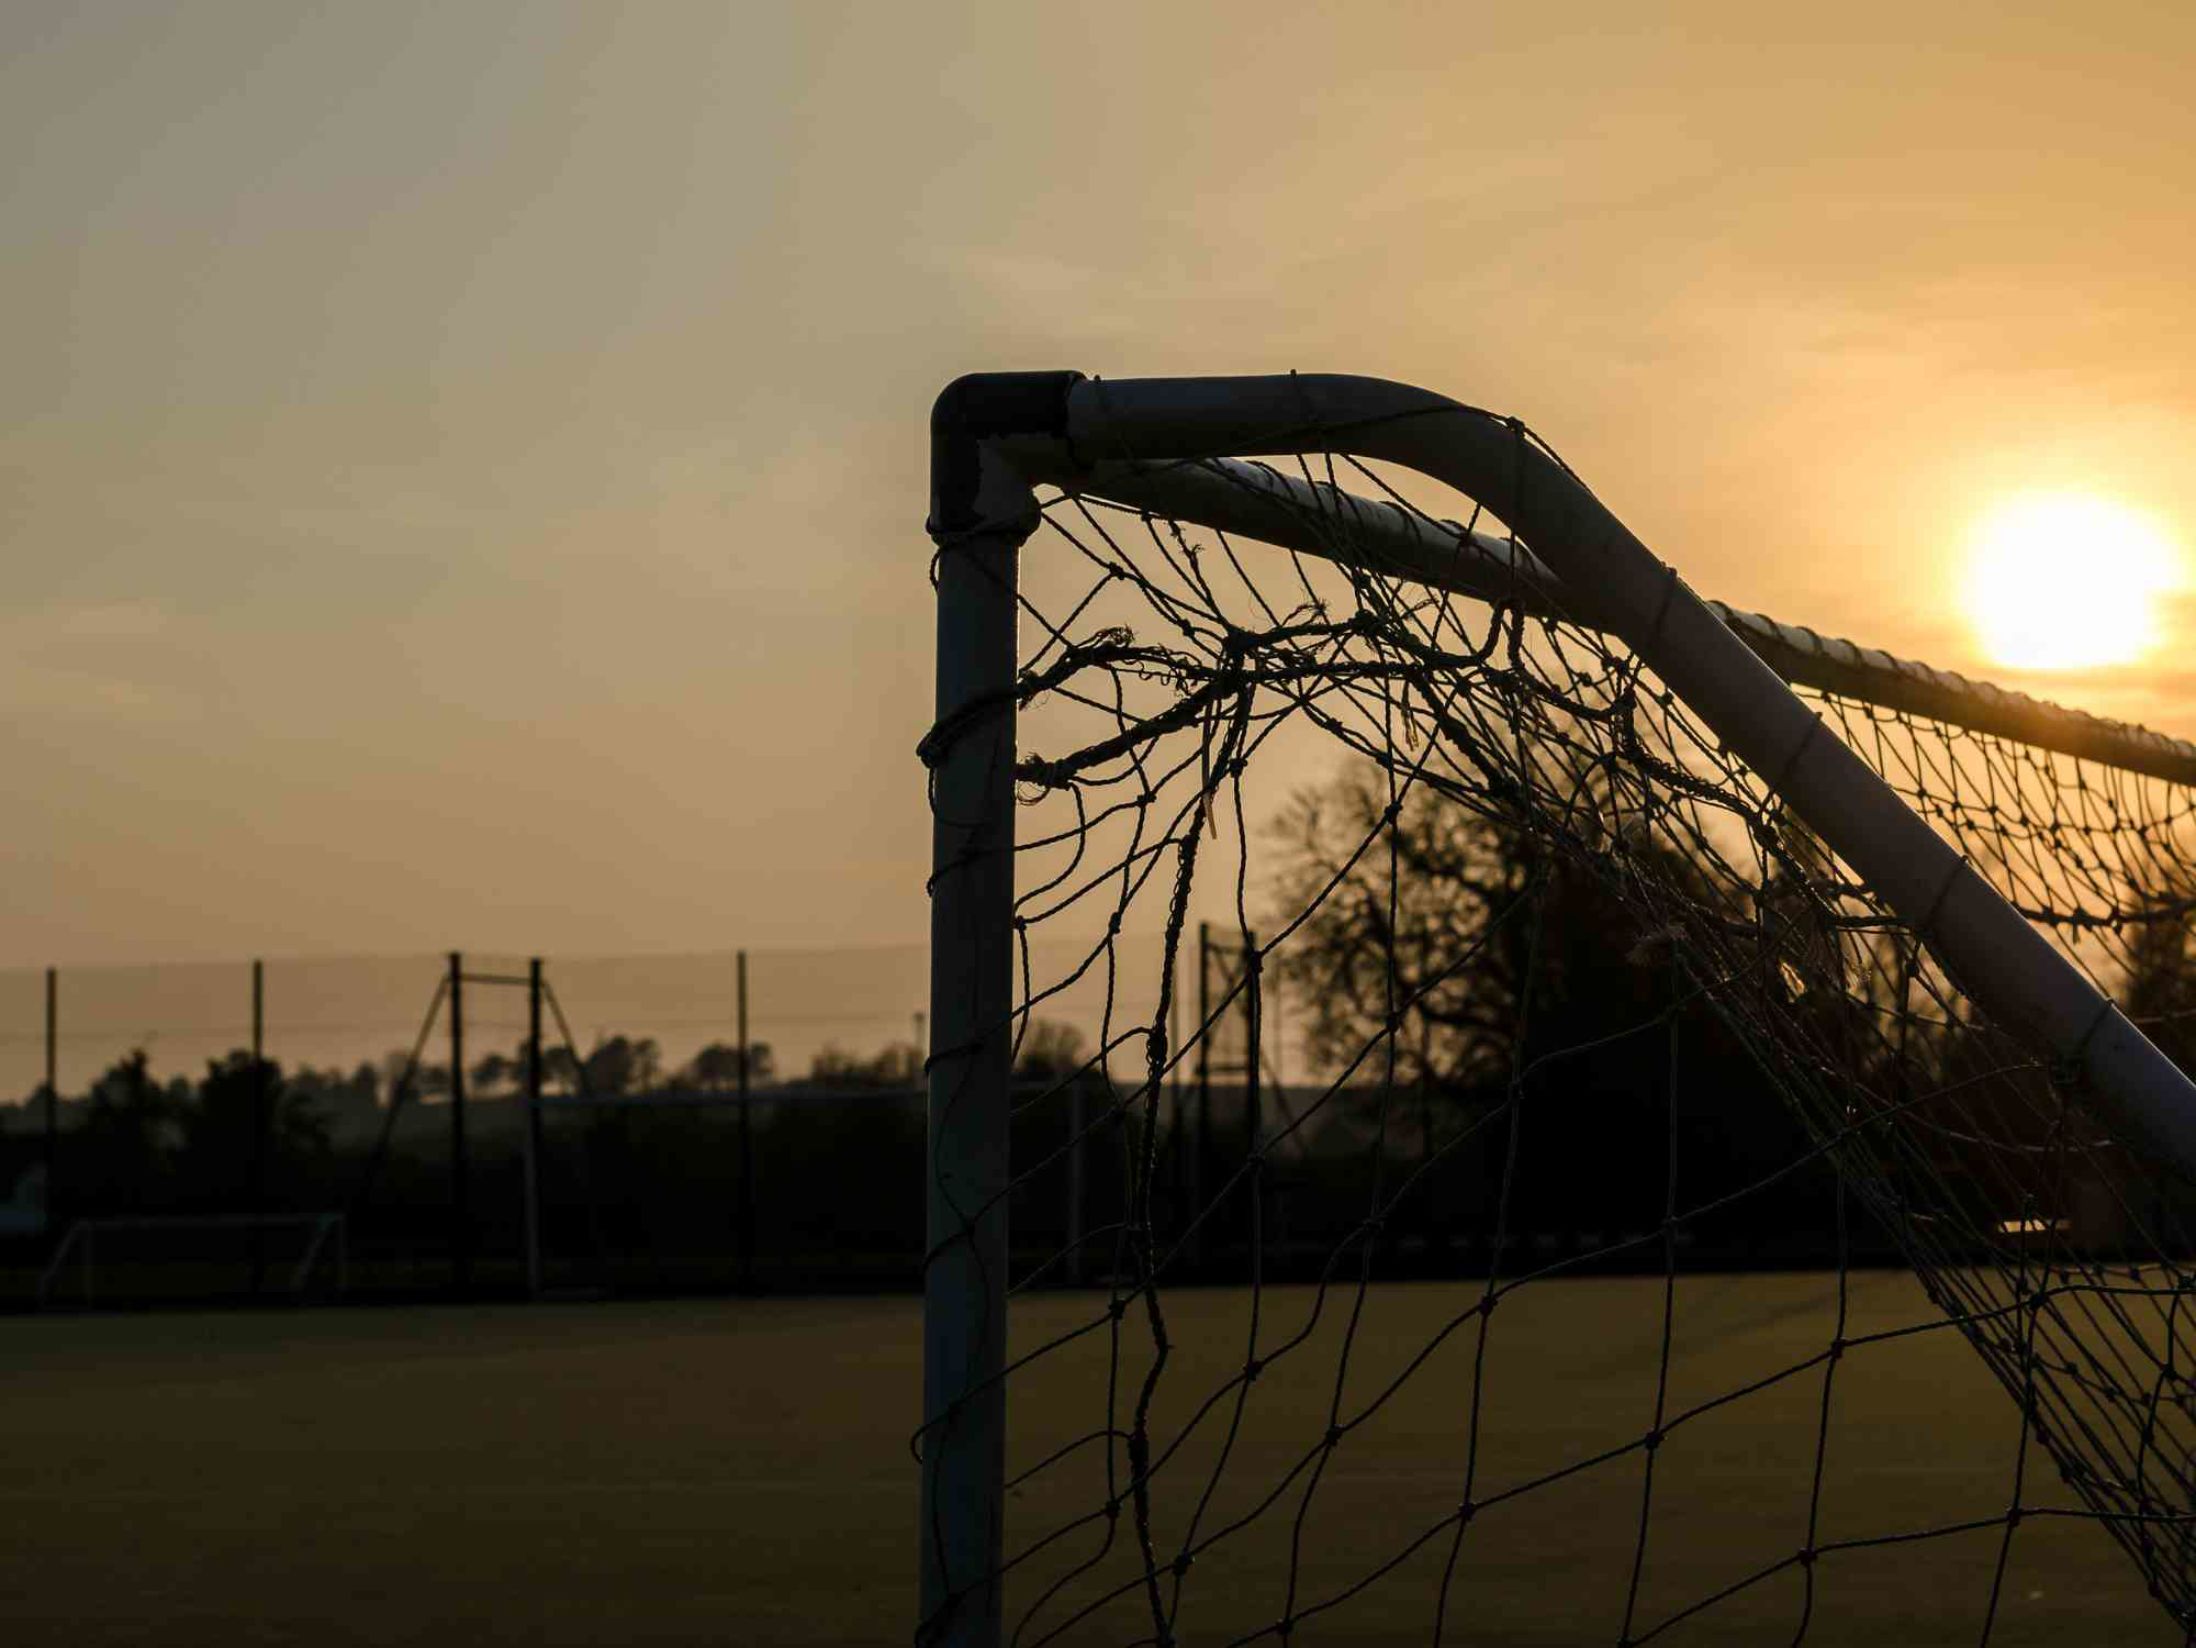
2158	987
716	1068
1530	977
496	1071
341	1102
131	1127
561	1069
897	1065
622	1065
1450	920
244	1112
1049	1050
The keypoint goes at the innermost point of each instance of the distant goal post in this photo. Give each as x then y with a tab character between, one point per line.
1175	450
319	1256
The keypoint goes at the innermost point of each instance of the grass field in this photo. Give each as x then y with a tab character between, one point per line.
733	1472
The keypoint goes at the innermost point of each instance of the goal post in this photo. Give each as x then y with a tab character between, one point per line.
982	508
1719	689
322	1248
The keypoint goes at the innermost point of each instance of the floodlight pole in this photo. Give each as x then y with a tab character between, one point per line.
981	509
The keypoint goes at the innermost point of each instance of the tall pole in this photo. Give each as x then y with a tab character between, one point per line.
747	1134
530	1137
980	513
461	1212
1201	1140
1253	1120
52	1149
1075	1166
256	1190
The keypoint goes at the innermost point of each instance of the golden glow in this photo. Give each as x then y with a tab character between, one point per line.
2062	581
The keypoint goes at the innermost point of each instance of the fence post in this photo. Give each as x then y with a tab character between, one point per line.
256	1196
747	1138
461	1212
1254	1184
1075	1178
52	1150
530	1134
1200	1153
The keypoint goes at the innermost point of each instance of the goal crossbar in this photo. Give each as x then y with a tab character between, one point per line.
1387	538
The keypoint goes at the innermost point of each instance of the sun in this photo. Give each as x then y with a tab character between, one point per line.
2067	581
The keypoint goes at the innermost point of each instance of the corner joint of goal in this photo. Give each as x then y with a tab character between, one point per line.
975	424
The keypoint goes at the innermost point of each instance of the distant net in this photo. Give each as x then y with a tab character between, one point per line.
1601	1268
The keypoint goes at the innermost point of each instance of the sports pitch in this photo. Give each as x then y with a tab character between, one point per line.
734	1472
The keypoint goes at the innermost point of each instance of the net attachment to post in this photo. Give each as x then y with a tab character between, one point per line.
1630	945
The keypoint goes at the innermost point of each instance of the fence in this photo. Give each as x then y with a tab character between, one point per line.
476	1125
482	1122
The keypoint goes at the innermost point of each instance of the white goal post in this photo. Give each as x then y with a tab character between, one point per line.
1174	445
325	1235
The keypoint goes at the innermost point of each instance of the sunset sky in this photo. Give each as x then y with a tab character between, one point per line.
463	466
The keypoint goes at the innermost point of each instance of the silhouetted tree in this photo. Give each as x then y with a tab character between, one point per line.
898	1065
1048	1051
622	1065
118	1158
494	1072
561	1069
716	1068
1450	920
244	1109
1548	958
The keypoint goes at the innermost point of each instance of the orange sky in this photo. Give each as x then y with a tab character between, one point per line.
463	466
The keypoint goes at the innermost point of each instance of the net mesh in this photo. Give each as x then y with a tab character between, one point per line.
1644	1219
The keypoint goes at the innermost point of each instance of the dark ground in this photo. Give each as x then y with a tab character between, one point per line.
731	1472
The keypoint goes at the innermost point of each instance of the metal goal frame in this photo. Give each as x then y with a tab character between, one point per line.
327	1233
1174	445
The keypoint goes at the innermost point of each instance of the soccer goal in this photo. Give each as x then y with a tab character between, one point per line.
292	1255
1743	1188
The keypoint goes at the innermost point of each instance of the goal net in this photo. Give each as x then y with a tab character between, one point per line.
136	1258
1710	1198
